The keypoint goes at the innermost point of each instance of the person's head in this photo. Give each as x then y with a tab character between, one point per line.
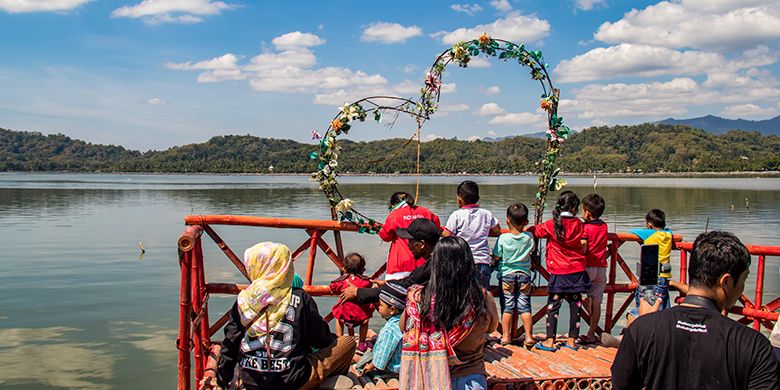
454	287
422	235
719	263
592	207
270	267
269	260
567	202
468	193
656	219
354	263
517	216
392	300
399	197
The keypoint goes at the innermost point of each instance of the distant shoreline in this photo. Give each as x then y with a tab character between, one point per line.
738	174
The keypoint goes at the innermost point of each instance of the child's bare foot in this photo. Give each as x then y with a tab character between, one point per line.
505	341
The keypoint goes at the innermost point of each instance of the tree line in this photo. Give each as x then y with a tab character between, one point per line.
640	148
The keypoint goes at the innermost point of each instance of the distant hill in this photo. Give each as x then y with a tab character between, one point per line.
646	148
540	134
718	125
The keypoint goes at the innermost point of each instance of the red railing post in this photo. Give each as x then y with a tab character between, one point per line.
683	266
611	294
312	254
200	329
759	288
183	342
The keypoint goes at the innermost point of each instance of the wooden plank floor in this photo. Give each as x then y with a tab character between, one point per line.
515	367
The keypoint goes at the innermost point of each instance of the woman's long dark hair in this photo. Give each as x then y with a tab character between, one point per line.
398	197
454	286
567	201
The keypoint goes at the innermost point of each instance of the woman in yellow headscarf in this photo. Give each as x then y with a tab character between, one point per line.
272	329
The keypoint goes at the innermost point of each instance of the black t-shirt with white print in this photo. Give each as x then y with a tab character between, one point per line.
693	348
300	330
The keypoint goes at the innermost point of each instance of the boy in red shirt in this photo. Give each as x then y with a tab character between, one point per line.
594	243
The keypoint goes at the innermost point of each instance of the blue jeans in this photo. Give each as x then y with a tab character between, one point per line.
484	271
661	290
515	292
470	382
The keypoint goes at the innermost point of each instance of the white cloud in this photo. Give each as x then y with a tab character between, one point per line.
290	68
297	39
454	107
635	60
383	32
654	99
501	5
431	137
156	102
492	133
469	9
587	5
473	138
492	90
409	68
697	24
449	88
479	62
407	87
521	118
172	11
21	6
749	111
490	109
514	27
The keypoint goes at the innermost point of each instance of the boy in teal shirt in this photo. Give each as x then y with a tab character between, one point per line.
513	254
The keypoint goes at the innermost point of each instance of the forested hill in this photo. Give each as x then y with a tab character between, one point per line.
646	147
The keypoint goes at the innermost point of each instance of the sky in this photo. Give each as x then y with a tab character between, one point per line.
152	74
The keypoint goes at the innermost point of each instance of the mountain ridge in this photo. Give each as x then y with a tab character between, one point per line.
718	125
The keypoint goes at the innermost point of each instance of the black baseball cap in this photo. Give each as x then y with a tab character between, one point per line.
421	229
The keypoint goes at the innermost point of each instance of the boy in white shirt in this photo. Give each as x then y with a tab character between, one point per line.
474	225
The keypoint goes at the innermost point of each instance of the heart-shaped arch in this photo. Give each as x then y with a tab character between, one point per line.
421	110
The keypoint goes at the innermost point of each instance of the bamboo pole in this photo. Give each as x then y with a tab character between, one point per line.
183	342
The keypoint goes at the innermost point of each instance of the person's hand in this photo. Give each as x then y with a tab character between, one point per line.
378	282
209	381
646	308
349	294
370	366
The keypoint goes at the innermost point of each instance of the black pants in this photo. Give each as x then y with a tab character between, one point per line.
554	306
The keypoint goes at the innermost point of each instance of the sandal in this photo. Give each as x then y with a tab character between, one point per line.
505	343
572	347
543	347
528	344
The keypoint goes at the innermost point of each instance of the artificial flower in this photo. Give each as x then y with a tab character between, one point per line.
546	104
484	39
336	124
344	205
432	82
315	135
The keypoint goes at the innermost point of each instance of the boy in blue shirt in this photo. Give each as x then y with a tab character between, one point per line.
656	233
386	355
513	254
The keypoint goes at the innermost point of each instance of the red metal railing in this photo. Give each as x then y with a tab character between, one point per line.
751	311
195	330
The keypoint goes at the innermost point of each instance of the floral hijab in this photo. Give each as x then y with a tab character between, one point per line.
271	269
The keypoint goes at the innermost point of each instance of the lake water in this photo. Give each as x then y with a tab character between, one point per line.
79	308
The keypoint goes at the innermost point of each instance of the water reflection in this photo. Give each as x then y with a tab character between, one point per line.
99	318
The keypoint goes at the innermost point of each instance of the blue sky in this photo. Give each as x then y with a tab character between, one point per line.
156	73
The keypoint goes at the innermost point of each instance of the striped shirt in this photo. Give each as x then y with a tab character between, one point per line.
387	349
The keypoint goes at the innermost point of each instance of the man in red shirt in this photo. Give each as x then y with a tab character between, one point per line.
400	261
594	242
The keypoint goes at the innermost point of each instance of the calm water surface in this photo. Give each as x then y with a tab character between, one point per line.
80	309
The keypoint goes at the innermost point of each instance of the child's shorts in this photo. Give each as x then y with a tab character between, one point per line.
661	290
515	292
598	283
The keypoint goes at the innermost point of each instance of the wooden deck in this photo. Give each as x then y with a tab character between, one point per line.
514	368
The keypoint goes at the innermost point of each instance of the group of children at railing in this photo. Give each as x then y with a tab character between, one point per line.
576	253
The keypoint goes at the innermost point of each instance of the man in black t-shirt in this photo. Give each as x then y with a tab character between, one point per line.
693	346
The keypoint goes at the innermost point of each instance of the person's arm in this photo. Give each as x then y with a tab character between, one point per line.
492	312
437	221
765	368
539	231
314	330
234	333
451	228
363	295
679	286
387	232
584	240
497	251
625	367
642	233
386	344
